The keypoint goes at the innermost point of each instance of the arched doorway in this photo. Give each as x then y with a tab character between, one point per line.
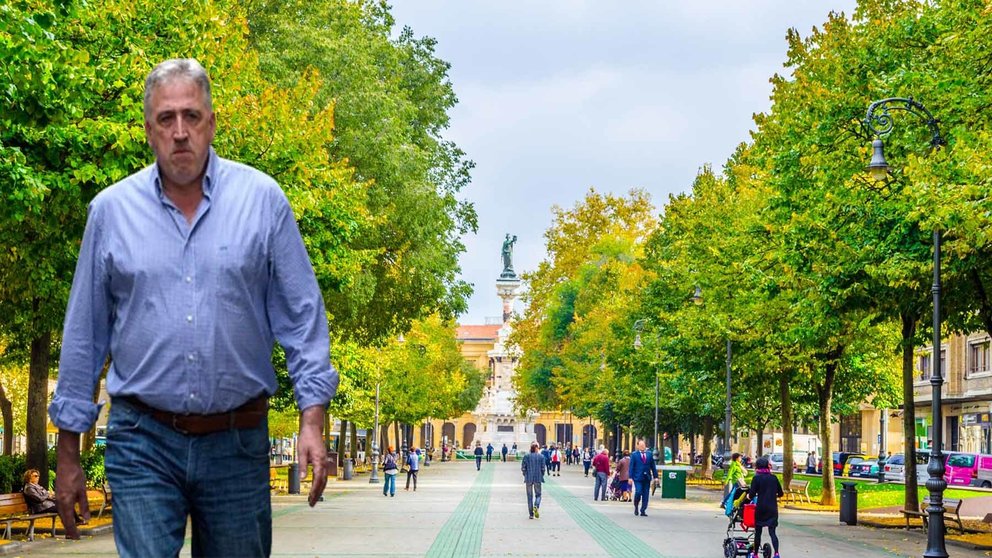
588	436
468	435
541	433
448	433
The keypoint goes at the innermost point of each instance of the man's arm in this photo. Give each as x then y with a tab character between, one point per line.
311	450
70	484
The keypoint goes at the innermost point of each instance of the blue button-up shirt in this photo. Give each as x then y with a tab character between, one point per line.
190	311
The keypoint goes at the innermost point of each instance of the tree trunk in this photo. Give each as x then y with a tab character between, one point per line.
89	437
788	460
911	495
383	438
761	441
707	440
342	447
674	441
396	434
354	439
7	411
327	431
37	417
825	400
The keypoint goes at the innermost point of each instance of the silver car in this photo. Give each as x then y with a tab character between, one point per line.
895	468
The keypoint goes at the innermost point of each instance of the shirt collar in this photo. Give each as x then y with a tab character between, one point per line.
209	177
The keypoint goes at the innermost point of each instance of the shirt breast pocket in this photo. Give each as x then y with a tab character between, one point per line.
241	271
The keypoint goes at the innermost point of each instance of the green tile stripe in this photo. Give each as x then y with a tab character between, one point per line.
615	540
461	535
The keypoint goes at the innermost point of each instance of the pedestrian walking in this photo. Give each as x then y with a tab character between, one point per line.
736	477
478	456
504	451
643	472
189	271
587	455
623	476
575	455
767	488
489	452
389	470
532	466
412	468
601	465
811	463
556	461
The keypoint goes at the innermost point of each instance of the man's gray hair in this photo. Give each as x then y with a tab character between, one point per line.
168	71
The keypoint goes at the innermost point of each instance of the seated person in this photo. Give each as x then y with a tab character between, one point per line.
39	500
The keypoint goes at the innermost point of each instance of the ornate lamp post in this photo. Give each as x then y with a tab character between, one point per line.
638	326
878	122
374	478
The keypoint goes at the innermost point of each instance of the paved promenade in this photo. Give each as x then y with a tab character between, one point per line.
457	511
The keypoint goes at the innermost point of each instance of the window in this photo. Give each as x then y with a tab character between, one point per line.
924	365
978	356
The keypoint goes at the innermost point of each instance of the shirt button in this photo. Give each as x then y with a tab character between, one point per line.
191	356
189	318
192	396
189	279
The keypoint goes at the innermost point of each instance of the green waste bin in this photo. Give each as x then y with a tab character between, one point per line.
672	483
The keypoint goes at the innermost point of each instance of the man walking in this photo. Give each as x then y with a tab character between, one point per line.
811	463
413	467
504	451
532	466
587	455
189	271
601	464
642	471
489	452
478	456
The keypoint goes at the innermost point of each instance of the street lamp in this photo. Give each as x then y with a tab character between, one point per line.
879	123
638	326
374	478
697	298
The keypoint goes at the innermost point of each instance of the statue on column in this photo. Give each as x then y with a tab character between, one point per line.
507	254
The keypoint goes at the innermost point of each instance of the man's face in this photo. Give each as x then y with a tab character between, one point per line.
641	445
180	129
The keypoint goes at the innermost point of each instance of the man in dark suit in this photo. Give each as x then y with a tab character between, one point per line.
642	471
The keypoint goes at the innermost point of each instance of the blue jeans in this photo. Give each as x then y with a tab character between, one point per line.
389	485
533	497
161	477
600	488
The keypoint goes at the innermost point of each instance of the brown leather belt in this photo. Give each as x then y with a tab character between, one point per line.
249	415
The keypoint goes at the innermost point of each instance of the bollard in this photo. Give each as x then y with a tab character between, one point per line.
348	469
293	483
849	503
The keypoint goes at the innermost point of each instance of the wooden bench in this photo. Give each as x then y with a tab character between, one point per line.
798	490
108	497
13	508
952	512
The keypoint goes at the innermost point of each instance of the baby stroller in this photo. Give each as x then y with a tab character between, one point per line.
614	491
740	537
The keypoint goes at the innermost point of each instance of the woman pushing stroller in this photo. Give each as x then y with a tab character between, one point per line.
767	488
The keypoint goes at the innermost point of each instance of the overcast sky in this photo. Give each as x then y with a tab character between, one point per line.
559	96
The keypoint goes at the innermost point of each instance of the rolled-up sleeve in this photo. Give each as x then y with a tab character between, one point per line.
85	335
296	312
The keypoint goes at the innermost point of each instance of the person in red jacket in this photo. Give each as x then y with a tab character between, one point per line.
601	463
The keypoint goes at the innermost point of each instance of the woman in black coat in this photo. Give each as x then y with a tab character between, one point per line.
768	489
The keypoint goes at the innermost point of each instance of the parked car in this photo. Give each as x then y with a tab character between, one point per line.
841	459
896	464
984	476
776	461
961	469
867	468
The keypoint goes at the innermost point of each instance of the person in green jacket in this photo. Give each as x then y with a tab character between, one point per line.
736	477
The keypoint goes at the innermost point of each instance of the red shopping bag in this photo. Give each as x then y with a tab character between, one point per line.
748	520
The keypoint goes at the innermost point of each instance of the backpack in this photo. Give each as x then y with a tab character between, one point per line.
389	463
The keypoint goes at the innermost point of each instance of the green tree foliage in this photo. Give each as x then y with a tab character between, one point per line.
390	97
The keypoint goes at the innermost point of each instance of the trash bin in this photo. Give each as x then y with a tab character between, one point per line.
349	468
849	503
673	483
293	482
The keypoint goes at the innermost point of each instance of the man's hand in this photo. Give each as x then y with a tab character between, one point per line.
70	484
311	450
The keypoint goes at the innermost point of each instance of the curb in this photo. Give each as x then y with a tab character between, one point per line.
11	547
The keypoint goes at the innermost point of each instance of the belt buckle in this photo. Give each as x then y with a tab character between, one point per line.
176	427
